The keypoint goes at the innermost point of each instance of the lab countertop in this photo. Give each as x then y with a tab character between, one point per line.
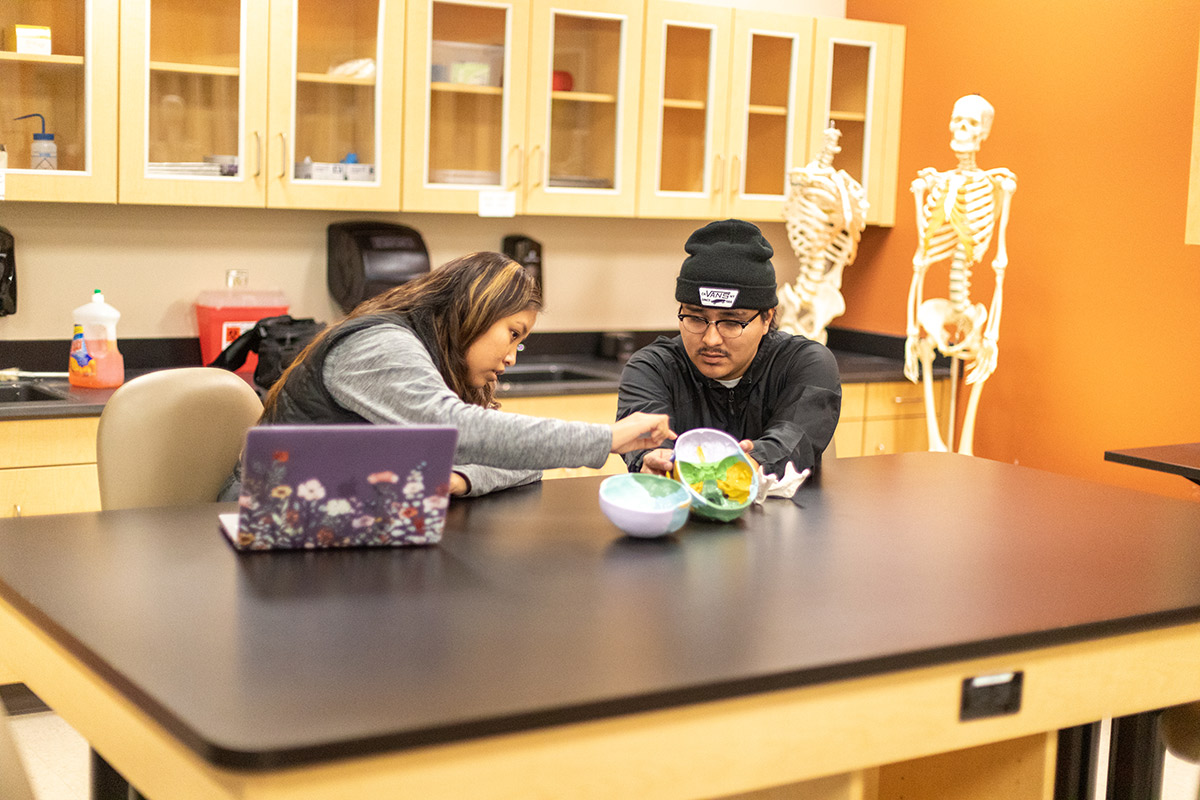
534	376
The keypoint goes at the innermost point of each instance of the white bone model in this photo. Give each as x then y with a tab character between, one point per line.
956	219
826	211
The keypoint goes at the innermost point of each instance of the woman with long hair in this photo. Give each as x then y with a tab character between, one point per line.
429	352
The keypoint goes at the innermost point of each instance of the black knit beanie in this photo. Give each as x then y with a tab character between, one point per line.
728	266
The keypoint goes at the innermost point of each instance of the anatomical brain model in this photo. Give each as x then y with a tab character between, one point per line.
826	211
959	212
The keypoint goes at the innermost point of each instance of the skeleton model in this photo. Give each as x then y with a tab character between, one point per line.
826	210
956	219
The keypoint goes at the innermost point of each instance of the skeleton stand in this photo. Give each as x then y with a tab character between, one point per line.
956	219
825	212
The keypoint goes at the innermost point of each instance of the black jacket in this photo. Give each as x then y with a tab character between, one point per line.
787	402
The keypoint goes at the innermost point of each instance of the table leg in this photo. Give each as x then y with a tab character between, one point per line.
1135	761
1075	770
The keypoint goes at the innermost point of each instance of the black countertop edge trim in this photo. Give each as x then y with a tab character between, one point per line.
867	343
257	761
50	355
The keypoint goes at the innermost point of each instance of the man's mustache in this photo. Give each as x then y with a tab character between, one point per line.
712	351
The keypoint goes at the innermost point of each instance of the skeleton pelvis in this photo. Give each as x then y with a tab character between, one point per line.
810	317
957	333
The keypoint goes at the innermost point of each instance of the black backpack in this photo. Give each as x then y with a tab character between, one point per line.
276	340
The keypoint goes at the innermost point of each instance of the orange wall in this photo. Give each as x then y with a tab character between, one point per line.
1100	338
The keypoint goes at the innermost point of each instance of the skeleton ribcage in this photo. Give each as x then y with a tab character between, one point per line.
969	220
817	231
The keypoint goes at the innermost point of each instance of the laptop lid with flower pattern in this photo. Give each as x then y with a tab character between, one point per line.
320	486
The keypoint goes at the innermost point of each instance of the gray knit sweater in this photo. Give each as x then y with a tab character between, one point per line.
384	374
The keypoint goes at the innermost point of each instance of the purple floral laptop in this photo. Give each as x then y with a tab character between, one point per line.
319	486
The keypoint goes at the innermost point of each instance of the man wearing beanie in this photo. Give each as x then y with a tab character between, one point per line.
730	368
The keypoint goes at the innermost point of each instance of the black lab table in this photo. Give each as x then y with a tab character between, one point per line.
537	652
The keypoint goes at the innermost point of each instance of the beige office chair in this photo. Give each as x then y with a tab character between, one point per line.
14	782
172	437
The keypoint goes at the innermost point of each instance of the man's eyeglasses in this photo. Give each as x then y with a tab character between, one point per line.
727	328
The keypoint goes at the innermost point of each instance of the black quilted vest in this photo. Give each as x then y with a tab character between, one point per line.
305	399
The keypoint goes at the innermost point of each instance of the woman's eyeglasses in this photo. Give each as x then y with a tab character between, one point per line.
727	328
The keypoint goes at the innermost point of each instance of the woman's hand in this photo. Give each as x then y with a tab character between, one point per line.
640	431
458	485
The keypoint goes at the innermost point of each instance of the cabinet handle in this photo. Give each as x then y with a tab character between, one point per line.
537	174
899	400
282	156
735	175
516	148
718	175
16	509
257	154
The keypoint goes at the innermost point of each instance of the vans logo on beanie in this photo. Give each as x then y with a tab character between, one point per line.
718	298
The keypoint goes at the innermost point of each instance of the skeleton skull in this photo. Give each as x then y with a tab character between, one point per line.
970	123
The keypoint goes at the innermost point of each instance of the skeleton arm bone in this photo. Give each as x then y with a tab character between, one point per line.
989	351
920	265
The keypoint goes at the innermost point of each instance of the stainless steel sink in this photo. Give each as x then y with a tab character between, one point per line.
26	392
553	376
550	373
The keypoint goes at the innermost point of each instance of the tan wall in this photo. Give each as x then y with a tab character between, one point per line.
152	262
1100	342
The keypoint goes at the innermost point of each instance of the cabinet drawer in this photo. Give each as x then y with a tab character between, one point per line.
854	401
895	399
49	490
581	407
48	442
899	435
848	438
600	408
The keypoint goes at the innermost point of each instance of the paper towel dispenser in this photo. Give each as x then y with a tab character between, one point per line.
8	273
367	258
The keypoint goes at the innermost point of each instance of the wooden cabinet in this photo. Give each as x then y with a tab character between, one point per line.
74	88
886	417
529	107
857	79
605	108
250	103
48	466
725	106
582	407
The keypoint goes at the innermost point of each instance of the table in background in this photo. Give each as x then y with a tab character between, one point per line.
1175	459
1143	745
537	652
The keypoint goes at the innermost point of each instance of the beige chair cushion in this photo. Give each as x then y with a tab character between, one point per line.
173	437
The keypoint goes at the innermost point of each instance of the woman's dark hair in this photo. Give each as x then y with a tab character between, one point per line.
463	298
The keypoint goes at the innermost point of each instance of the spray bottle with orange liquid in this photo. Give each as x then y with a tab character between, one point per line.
95	361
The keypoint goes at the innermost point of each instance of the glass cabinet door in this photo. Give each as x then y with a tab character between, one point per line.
857	79
464	104
582	126
193	102
58	62
335	109
685	101
769	111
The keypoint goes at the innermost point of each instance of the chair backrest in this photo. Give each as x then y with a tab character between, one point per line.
172	437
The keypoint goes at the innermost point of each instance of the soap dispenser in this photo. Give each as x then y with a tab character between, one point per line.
43	153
